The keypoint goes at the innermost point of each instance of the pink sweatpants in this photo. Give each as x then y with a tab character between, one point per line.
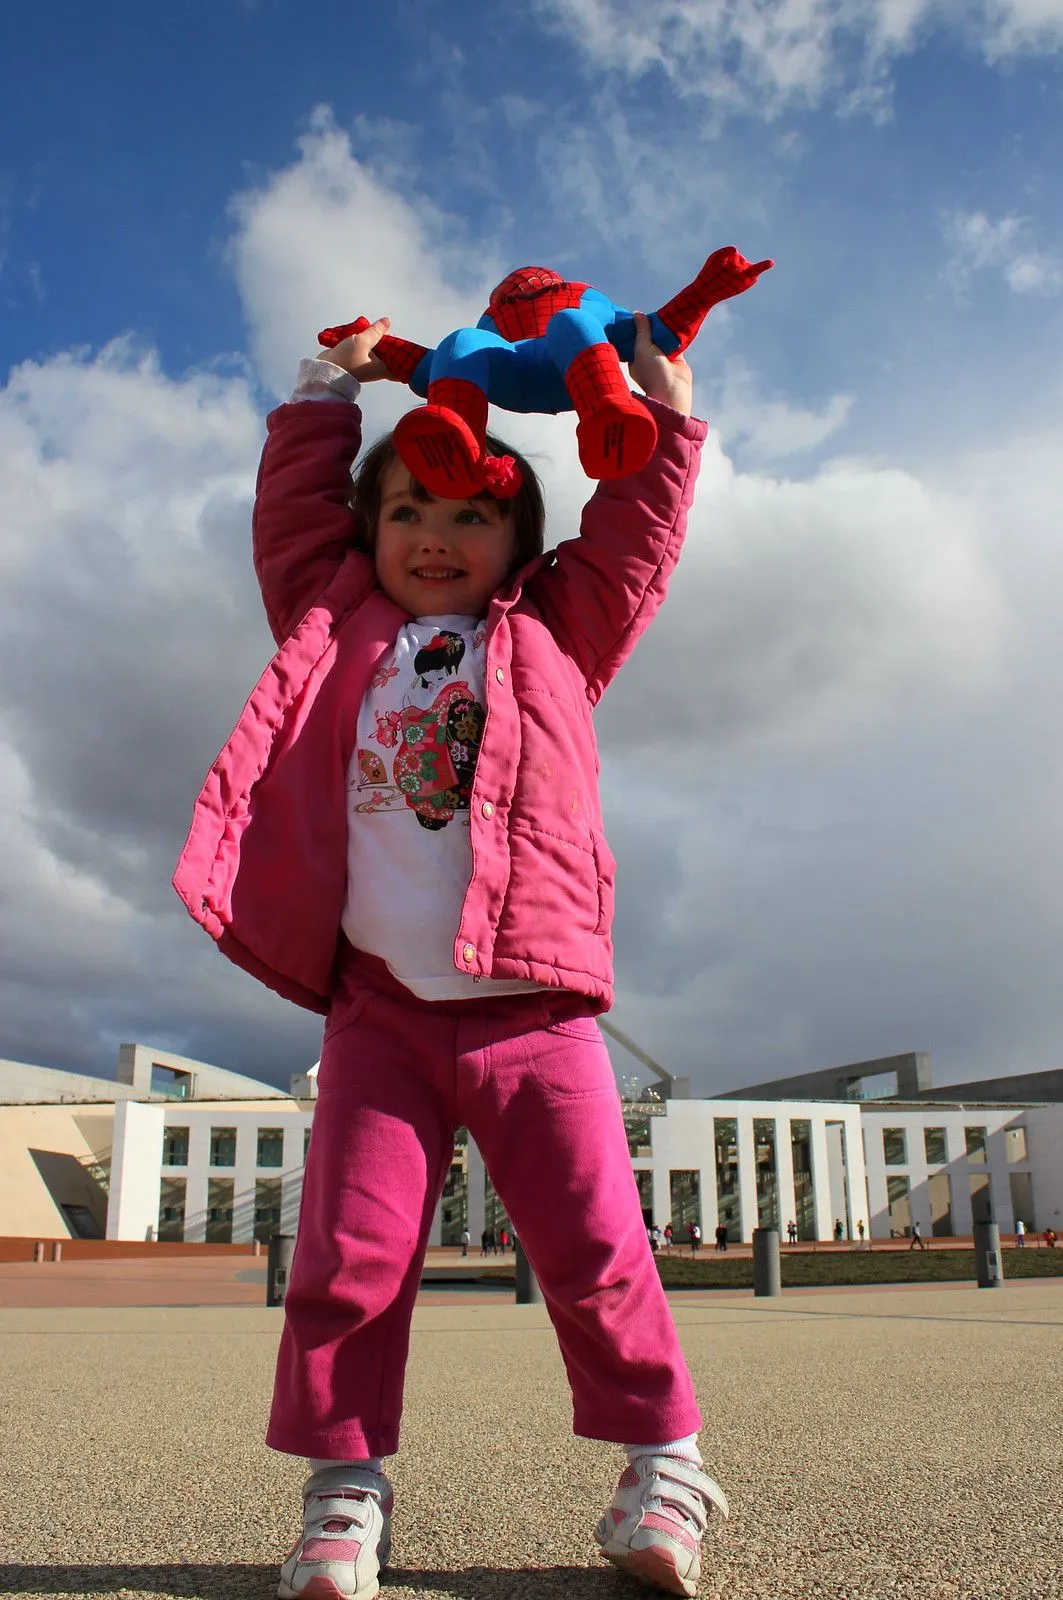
529	1076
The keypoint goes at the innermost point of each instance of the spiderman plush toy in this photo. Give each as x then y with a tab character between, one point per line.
543	344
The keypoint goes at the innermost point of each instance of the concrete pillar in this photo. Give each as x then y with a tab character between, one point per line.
767	1272
528	1290
784	1173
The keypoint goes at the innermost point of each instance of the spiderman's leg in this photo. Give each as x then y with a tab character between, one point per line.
615	433
725	274
443	442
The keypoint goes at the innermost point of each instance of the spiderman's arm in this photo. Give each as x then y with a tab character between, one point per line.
400	356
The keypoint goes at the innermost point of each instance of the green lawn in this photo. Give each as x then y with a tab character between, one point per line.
805	1268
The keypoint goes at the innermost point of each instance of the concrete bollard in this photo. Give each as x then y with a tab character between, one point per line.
38	1250
528	1290
988	1261
278	1267
767	1273
57	1251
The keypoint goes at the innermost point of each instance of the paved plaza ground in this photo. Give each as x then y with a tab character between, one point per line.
900	1444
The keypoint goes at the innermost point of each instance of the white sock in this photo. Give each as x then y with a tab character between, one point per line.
686	1449
369	1464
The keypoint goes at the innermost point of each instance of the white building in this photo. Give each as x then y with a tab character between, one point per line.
185	1151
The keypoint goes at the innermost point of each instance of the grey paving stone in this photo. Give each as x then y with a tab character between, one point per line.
902	1445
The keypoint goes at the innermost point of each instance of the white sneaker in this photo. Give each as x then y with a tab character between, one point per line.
659	1515
346	1537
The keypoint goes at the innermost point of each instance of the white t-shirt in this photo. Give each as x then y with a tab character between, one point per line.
409	854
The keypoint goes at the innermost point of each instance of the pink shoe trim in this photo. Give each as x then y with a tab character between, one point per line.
320	1588
655	1567
675	1530
629	1479
331	1550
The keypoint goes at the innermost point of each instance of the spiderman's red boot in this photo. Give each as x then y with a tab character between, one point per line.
725	274
443	442
615	434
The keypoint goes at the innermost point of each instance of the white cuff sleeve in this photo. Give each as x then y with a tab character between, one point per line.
324	380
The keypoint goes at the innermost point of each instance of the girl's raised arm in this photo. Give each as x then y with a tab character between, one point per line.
303	529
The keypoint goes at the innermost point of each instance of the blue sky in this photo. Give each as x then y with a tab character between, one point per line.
845	721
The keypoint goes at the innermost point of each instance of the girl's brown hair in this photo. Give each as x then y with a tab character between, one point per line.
525	508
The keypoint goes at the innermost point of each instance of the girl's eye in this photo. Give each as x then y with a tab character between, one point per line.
402	514
469	514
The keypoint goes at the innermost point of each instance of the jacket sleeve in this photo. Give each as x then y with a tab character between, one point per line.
303	528
604	588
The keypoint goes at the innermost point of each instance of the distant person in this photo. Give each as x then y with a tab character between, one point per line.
655	1238
1020	1234
466	1240
721	1236
503	1240
860	1229
791	1232
1050	1238
404	835
918	1242
694	1235
668	1238
839	1231
486	1242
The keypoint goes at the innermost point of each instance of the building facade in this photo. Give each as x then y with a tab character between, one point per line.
186	1152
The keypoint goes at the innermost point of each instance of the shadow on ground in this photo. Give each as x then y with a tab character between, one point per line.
242	1581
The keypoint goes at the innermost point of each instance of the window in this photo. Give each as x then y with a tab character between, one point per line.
170	1081
976	1143
898	1193
82	1223
936	1147
894	1147
306	1144
455	1200
219	1211
175	1147
270	1148
267	1208
804	1196
172	1210
767	1180
981	1197
685	1191
1015	1145
939	1189
223	1147
1021	1186
637	1119
644	1179
727	1202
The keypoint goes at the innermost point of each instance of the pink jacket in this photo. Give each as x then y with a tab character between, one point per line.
264	868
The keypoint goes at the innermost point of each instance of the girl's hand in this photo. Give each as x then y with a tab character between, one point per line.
355	353
659	378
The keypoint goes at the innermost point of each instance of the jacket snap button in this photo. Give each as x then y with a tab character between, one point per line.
500	675
488	809
469	954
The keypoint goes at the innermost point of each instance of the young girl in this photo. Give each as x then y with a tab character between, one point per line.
404	833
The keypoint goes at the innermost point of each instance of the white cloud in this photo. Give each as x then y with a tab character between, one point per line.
1007	246
759	57
771	428
325	241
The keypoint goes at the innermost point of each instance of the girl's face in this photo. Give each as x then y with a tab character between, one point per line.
440	557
